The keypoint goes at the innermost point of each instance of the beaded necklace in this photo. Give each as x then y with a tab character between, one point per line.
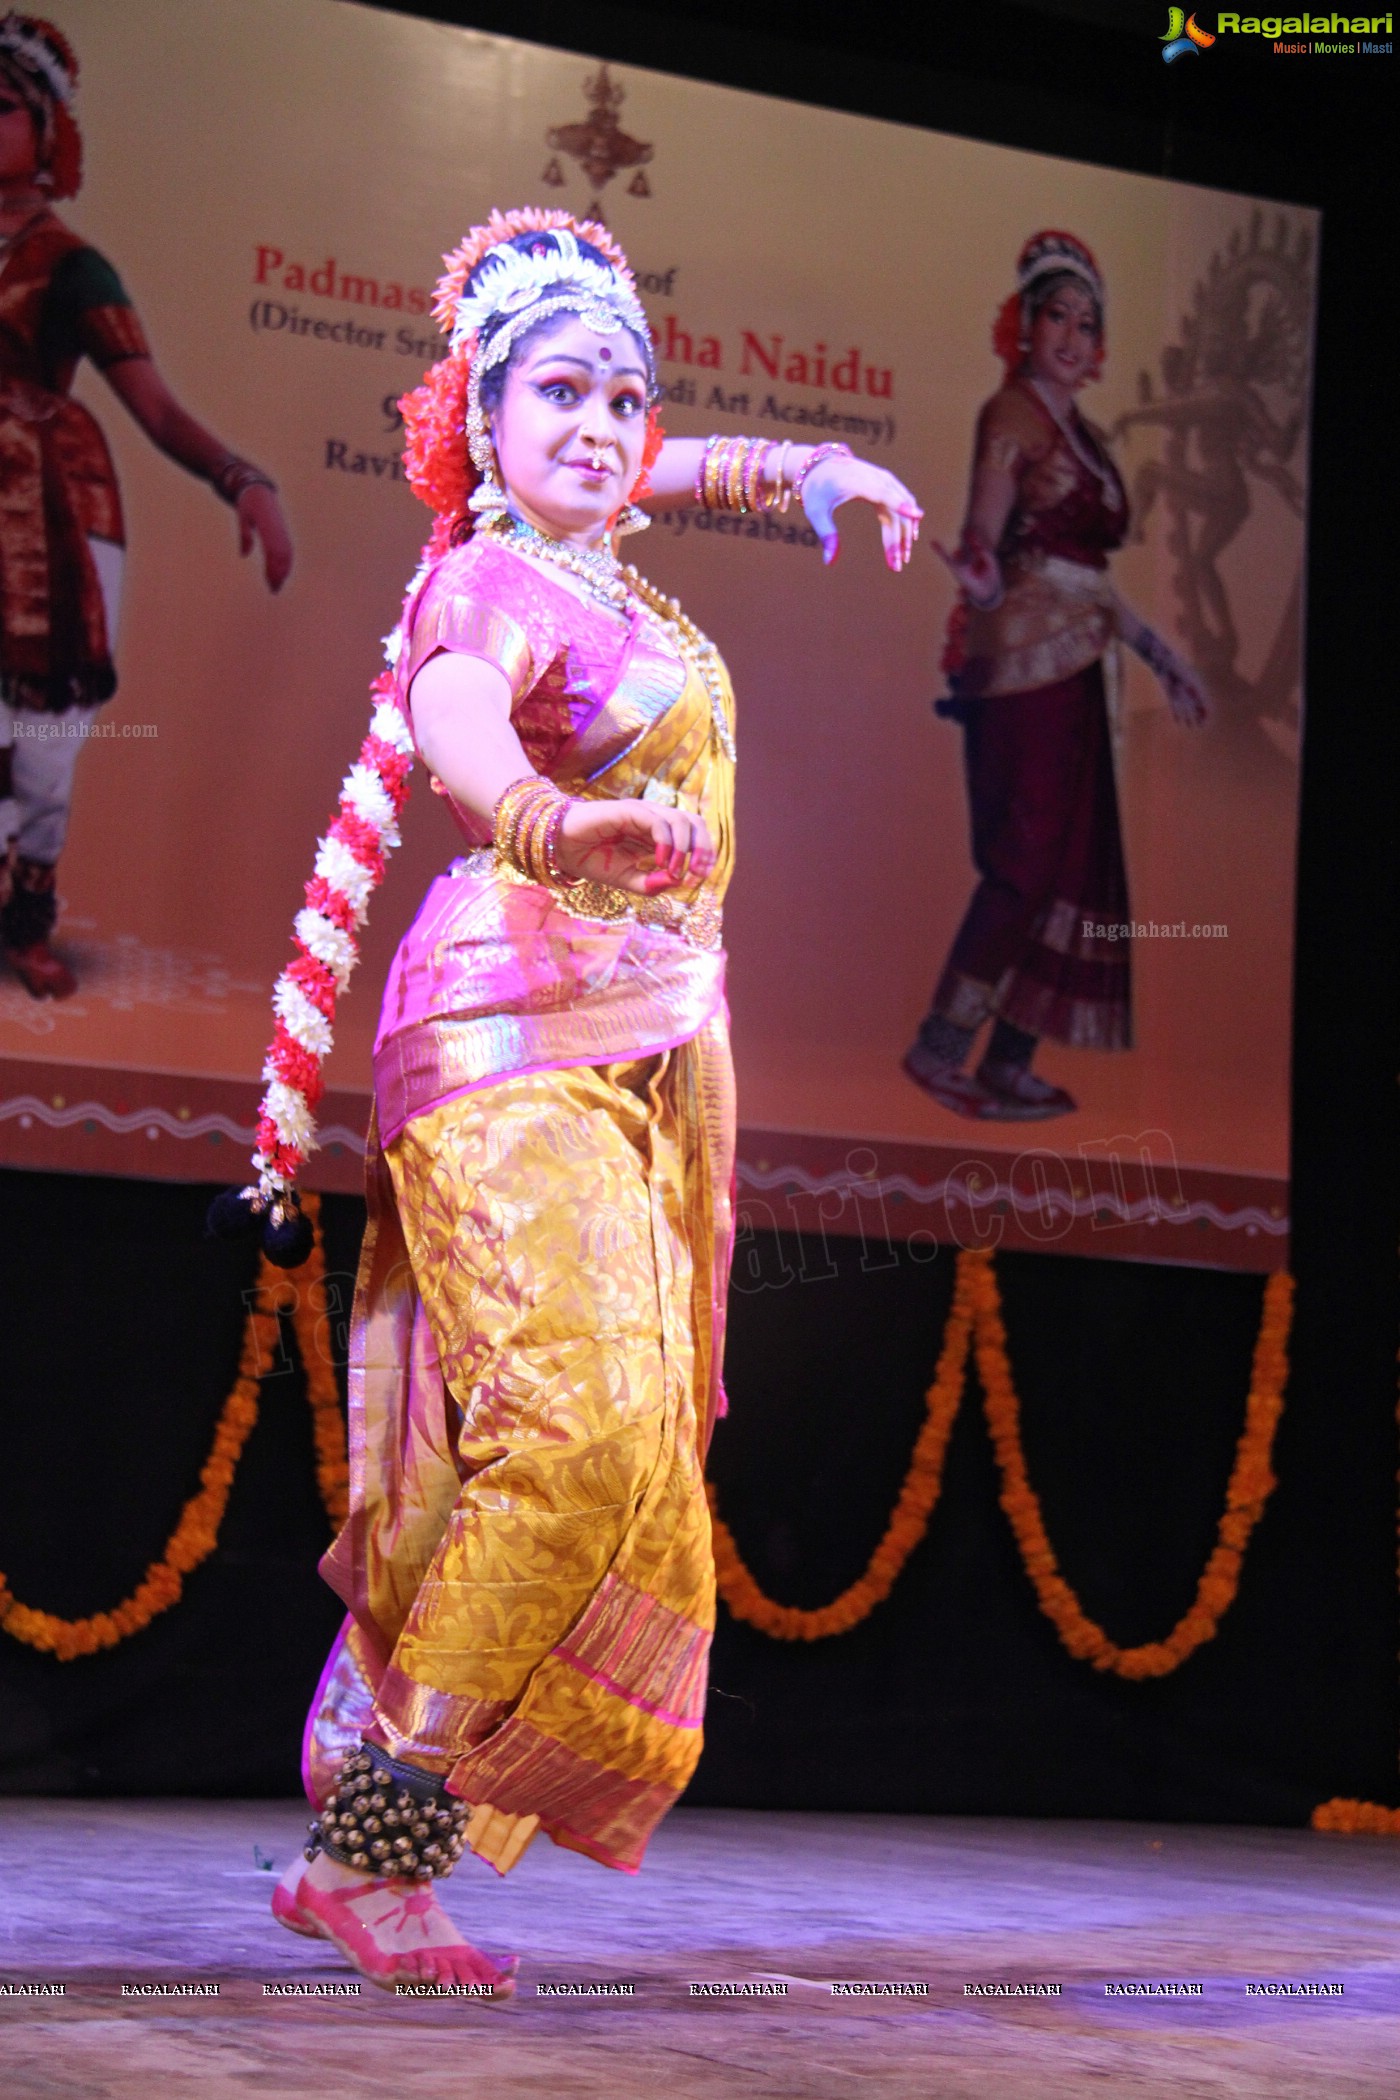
625	591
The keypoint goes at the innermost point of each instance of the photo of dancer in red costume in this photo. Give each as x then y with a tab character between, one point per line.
62	538
1029	656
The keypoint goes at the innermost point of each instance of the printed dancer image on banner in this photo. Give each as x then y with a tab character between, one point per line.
62	538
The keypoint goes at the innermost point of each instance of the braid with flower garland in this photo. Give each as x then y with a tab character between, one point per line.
351	857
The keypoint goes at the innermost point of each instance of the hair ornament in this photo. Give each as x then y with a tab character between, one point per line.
1054	251
42	53
508	284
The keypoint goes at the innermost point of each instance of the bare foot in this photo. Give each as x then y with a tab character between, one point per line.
391	1931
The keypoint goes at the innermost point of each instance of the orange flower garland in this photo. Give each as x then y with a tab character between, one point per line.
1351	1817
917	1498
1251	1482
197	1533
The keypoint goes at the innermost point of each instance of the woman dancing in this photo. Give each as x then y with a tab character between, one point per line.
1042	949
62	539
535	1358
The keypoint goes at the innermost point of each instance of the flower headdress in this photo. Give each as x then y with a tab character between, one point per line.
1051	253
42	67
482	311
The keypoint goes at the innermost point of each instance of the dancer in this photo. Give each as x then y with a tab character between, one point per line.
1028	649
61	534
535	1354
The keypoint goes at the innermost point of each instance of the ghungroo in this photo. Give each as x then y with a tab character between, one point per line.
390	1818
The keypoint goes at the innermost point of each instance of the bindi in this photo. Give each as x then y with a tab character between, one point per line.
604	355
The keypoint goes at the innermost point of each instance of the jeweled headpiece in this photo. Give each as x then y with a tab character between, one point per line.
1051	254
524	276
518	269
34	48
40	65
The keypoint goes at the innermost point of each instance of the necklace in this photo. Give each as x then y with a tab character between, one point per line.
625	591
1102	469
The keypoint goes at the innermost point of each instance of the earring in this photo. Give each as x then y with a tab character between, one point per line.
631	520
488	499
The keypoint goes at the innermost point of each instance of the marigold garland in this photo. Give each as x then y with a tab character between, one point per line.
1251	1482
197	1533
975	1318
917	1499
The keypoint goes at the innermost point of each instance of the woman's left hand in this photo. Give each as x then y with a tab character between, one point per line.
841	480
1186	696
261	518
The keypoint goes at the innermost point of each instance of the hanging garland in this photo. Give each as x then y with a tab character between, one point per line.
976	1314
917	1499
197	1533
974	1321
1251	1483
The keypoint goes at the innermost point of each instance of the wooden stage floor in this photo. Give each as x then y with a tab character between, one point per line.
101	1895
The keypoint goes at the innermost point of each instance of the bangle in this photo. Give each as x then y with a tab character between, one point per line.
759	450
236	475
702	473
813	459
782	492
526	824
715	449
734	476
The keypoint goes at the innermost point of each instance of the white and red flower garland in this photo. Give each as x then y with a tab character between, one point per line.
349	868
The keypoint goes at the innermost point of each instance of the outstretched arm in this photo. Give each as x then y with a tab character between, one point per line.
139	386
837	478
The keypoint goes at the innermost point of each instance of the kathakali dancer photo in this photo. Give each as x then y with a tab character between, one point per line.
62	539
536	1344
1030	653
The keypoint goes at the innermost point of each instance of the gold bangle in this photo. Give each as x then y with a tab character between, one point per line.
758	451
536	820
512	807
514	834
702	473
734	477
714	470
782	492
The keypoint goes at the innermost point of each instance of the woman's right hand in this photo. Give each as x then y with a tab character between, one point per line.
640	847
976	571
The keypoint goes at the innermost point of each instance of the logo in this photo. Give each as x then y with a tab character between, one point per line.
1182	35
599	144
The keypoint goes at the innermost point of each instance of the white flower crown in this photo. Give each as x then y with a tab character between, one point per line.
509	282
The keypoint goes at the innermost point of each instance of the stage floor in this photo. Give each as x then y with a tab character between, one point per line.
102	1895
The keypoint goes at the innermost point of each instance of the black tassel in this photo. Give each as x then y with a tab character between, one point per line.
287	1236
233	1216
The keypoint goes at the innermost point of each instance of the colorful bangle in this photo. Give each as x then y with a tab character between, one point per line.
759	451
813	459
526	825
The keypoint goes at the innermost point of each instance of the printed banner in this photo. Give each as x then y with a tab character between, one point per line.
272	183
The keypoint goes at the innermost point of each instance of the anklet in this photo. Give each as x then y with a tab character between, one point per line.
390	1818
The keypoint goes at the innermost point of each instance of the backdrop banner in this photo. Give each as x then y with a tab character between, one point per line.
273	183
